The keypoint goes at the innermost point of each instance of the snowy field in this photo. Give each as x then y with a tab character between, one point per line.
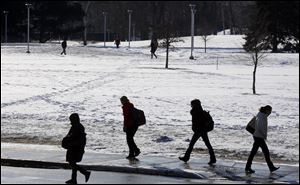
41	89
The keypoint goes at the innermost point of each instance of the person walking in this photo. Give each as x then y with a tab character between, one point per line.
198	127
75	142
64	46
129	127
153	45
117	41
259	136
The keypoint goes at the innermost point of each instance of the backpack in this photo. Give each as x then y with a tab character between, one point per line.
209	122
138	117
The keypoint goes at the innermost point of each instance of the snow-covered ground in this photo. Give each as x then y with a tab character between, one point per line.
41	89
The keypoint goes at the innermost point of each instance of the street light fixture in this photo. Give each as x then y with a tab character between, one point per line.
5	13
28	25
193	11
129	12
104	33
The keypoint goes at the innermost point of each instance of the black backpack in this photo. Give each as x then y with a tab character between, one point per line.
209	122
138	117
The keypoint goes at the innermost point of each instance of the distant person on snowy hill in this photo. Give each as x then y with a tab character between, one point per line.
64	46
117	41
259	136
154	45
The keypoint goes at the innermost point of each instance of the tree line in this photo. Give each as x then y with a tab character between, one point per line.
274	22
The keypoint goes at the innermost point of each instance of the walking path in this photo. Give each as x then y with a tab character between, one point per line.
224	171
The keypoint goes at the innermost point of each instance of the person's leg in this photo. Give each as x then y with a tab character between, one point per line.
252	154
155	55
130	142
73	179
210	148
266	152
188	152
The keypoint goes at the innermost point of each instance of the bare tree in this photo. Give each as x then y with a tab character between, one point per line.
256	54
205	38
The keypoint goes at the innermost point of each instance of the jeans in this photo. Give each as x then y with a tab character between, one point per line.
76	168
259	142
195	138
130	141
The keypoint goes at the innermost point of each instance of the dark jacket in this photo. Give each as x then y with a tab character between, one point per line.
198	119
64	44
128	116
153	45
77	141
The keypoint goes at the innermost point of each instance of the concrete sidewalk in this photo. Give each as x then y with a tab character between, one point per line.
226	171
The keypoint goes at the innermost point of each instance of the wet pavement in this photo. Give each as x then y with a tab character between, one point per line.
195	171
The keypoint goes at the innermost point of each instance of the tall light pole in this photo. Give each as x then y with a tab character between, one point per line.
193	11
5	13
28	25
129	25
133	32
104	13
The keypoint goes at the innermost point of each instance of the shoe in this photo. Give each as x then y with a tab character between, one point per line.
87	176
137	153
249	170
184	159
71	181
212	162
274	169
130	157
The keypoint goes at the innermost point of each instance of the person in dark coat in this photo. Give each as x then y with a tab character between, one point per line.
129	127
75	142
153	45
198	120
259	136
117	41
64	46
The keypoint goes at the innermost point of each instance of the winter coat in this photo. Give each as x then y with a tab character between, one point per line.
153	47
198	120
64	44
261	126
76	143
128	116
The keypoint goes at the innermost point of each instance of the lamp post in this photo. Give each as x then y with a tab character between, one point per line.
28	25
108	37
129	25
133	32
193	11
104	13
5	13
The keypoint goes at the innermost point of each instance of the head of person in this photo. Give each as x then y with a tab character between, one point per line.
124	100
266	109
195	104
74	118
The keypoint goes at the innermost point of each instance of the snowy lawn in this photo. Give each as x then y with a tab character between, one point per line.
41	89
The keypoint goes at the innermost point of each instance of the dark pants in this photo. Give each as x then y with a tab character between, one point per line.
64	51
195	138
259	142
130	141
152	53
76	168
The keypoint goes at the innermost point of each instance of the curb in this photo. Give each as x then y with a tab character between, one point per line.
122	169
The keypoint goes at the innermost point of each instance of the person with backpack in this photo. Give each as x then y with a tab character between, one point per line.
64	46
75	142
259	136
129	127
200	129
